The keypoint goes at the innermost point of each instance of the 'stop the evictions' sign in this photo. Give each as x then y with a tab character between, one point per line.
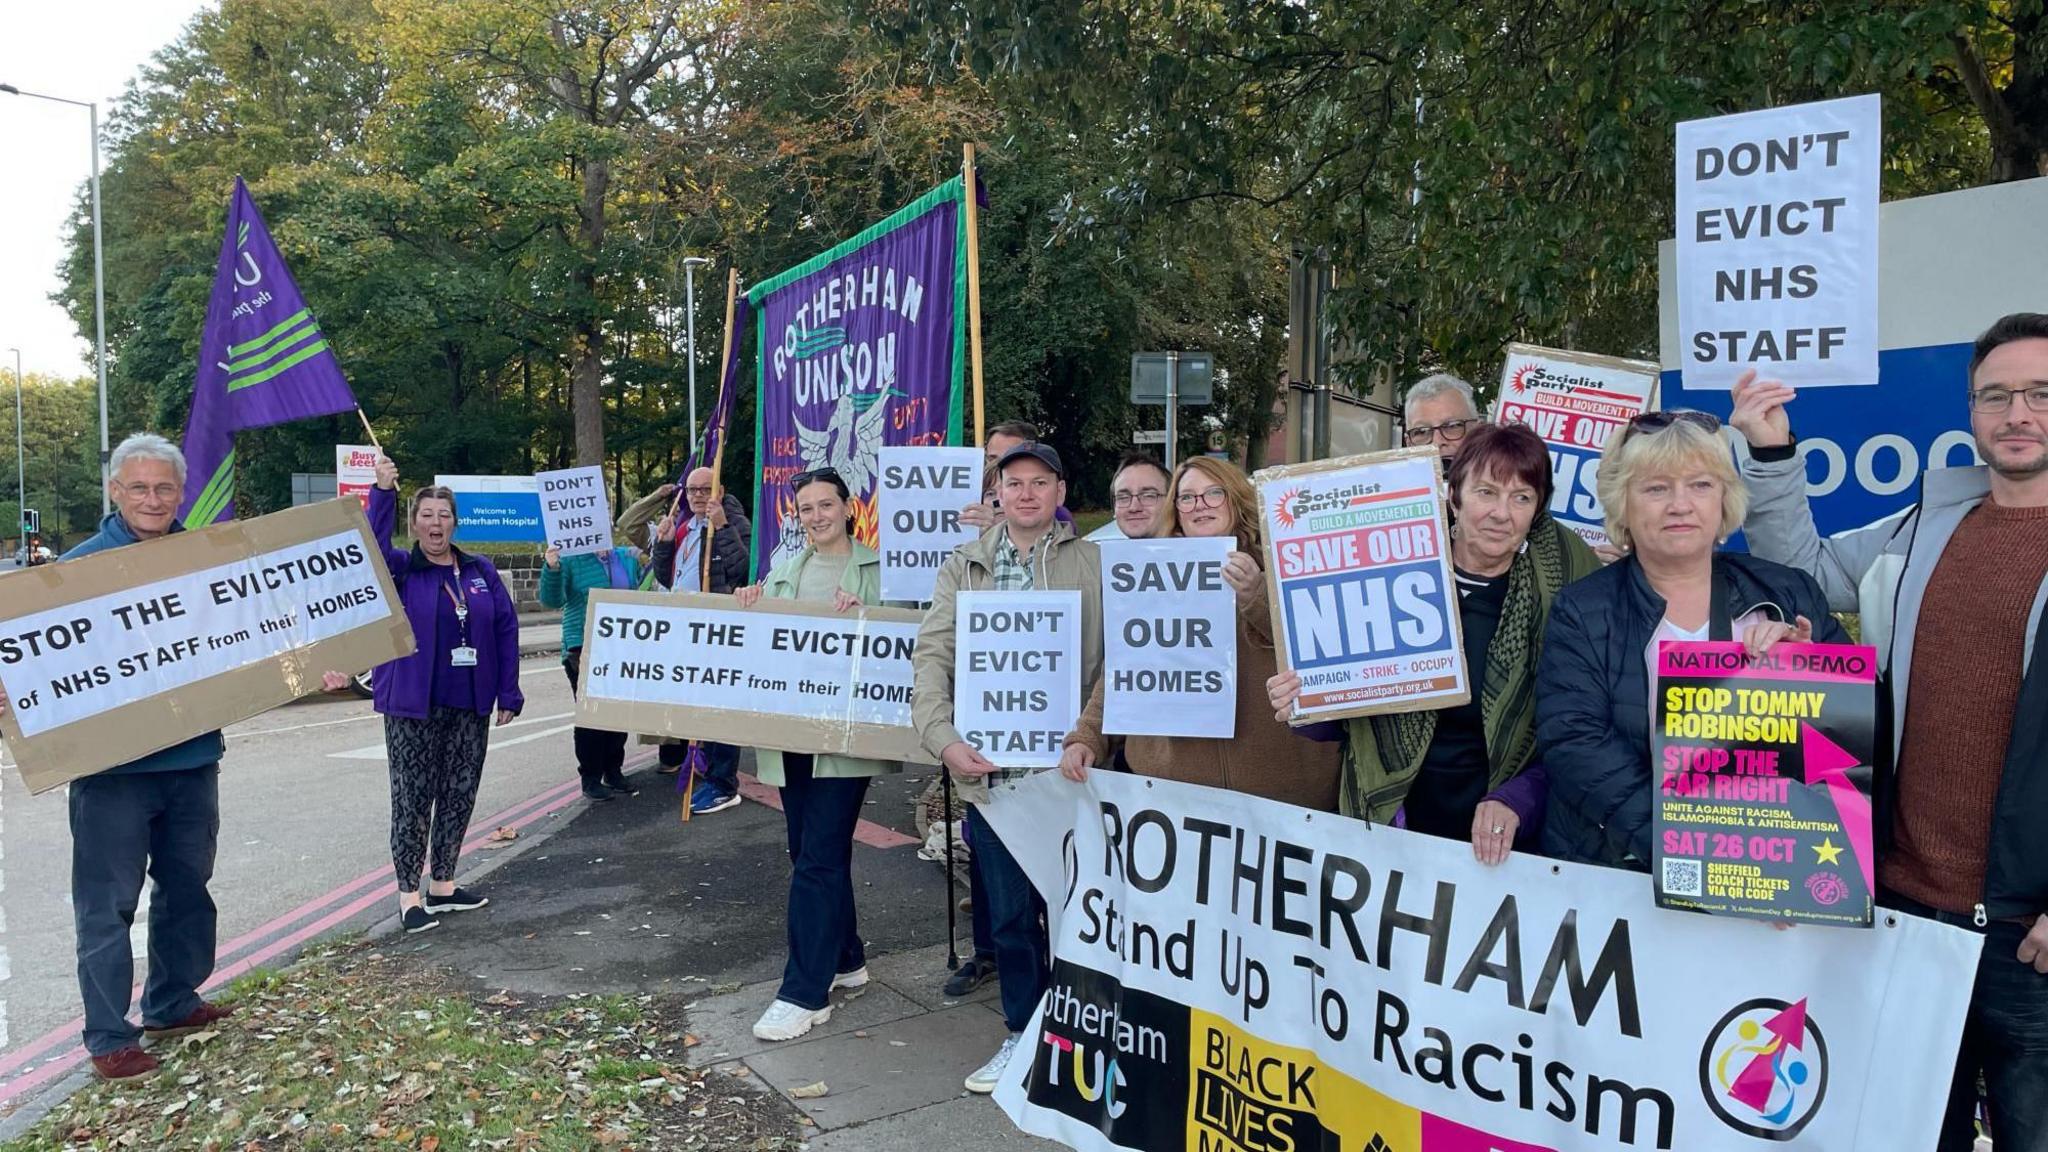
115	655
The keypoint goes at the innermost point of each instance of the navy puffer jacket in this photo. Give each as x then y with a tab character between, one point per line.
1593	695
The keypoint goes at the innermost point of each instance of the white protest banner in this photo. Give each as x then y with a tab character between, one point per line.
1238	975
573	510
1017	674
1574	401
355	471
1360	581
1777	244
786	675
921	493
1169	639
111	656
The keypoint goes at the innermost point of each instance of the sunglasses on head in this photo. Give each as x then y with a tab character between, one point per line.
1658	421
802	478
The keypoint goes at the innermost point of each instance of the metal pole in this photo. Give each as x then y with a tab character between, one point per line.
1322	354
20	456
1172	409
690	307
99	307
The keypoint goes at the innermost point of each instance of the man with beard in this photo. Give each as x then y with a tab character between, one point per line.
1951	593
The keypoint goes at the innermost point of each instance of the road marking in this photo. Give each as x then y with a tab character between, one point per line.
303	727
376	751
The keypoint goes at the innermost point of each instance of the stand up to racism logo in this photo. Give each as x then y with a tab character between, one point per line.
1764	1069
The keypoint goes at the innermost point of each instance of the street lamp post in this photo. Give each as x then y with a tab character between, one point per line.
99	275
20	456
690	264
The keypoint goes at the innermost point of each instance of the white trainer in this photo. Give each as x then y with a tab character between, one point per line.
984	1078
853	979
786	1021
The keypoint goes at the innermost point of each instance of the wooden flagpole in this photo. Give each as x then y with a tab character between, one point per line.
732	299
367	430
973	287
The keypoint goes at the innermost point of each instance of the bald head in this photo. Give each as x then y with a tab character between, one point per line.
697	489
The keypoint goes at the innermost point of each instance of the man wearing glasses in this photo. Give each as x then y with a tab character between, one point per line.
1138	493
719	527
1951	593
1439	410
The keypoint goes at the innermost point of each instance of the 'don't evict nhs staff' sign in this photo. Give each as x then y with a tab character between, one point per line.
1951	265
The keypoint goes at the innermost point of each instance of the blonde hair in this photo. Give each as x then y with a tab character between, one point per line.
1675	449
1237	491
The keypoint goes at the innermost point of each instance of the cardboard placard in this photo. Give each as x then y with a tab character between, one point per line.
1017	675
1575	401
573	510
1169	638
112	656
1358	570
784	674
1777	244
921	493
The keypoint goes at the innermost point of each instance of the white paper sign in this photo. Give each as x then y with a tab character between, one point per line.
71	663
355	471
921	493
1169	639
573	510
1777	244
1017	674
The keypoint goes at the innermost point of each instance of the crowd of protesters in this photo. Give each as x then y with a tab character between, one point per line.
1551	755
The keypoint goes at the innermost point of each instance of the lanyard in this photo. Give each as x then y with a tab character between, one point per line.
461	604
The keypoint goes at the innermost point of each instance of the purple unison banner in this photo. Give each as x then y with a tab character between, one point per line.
860	347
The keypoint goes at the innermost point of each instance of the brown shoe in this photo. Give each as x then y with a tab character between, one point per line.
203	1016
124	1064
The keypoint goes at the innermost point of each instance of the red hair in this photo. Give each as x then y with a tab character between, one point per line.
1503	452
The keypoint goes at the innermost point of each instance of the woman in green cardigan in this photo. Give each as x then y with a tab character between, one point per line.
821	795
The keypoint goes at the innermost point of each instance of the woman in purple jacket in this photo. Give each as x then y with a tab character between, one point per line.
437	703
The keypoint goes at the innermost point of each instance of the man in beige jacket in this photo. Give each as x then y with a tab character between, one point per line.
1027	550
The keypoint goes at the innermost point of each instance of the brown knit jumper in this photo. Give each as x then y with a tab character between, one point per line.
1967	657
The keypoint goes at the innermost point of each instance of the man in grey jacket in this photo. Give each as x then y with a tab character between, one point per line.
1951	593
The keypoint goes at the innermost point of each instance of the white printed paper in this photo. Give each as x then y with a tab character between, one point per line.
1017	674
921	493
1169	638
573	510
1777	244
1575	402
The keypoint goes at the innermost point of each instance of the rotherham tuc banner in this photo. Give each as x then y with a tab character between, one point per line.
860	347
1231	974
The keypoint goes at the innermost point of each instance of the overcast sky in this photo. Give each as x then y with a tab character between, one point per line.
80	50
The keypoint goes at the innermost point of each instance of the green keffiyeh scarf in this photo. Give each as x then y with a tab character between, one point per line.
1383	754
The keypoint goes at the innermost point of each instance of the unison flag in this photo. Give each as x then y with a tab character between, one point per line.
859	347
721	409
262	360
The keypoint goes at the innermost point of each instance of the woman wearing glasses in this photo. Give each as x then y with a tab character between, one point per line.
1213	497
1471	772
821	795
1672	496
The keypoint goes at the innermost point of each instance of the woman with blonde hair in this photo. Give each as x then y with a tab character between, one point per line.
1214	498
1672	496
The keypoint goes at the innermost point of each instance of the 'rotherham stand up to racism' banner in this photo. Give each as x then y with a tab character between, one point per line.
1236	975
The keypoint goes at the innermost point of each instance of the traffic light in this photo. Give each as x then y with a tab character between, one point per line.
31	521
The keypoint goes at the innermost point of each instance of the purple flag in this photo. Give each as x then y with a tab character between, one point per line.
721	409
262	360
862	346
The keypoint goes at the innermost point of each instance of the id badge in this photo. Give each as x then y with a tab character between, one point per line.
463	657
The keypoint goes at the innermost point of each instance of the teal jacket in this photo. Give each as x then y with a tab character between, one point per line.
863	578
570	585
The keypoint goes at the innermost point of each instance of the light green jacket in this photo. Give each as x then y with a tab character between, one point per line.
863	578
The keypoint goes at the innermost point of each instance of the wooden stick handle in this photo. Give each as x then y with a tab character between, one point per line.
367	430
973	287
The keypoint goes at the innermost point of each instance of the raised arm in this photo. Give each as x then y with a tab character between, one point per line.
383	512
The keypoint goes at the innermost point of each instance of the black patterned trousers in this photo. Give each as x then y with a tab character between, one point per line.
436	766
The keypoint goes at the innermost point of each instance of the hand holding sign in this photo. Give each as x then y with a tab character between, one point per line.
387	473
1759	412
962	760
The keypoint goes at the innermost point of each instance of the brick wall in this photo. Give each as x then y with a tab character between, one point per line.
521	573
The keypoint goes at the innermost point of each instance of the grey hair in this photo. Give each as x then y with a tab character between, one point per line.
147	446
1439	384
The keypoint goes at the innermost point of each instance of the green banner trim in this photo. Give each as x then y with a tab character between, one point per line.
950	190
284	365
255	360
219	491
290	322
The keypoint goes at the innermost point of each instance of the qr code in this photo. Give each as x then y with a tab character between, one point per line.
1682	877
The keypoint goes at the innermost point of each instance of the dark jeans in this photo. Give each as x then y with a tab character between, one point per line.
823	940
2005	1040
1014	908
598	752
977	899
168	822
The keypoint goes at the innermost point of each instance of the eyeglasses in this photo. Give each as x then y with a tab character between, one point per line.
1994	400
696	491
145	491
802	478
1452	430
1143	498
1658	421
1212	498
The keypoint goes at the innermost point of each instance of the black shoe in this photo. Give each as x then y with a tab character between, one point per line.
415	919
971	974
595	790
616	781
460	900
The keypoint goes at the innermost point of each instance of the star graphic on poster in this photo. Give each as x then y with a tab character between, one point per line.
1828	852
